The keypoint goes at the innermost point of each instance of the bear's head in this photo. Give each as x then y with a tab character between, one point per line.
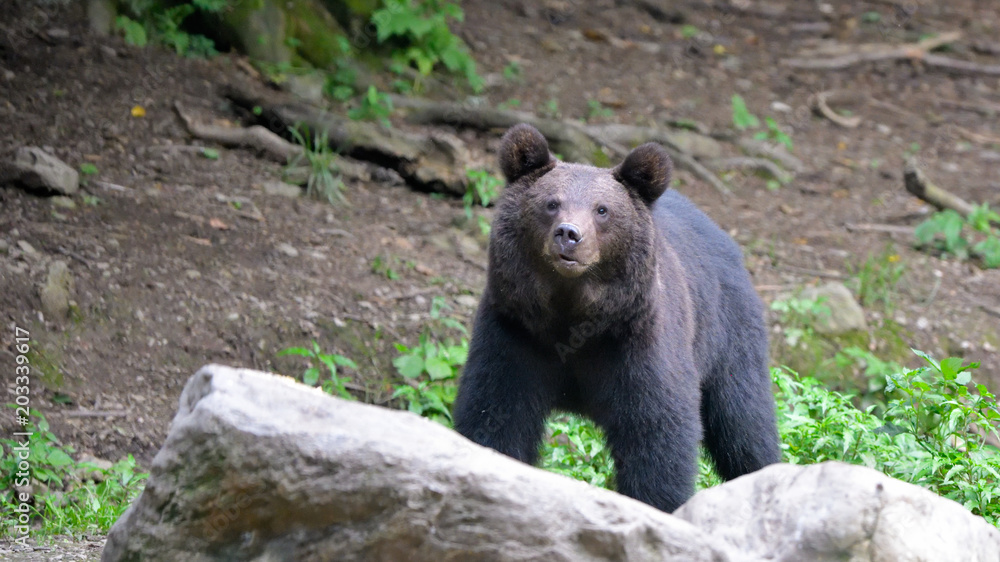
576	220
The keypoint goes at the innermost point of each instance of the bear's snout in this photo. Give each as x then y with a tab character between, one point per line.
566	237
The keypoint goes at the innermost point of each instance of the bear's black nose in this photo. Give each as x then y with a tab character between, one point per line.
567	235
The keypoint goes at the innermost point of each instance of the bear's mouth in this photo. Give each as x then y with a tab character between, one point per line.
566	260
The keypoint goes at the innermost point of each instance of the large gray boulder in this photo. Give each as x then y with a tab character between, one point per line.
258	467
836	511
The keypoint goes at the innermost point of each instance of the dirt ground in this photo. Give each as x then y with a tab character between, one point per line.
194	263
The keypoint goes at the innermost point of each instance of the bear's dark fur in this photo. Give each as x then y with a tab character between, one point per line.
611	296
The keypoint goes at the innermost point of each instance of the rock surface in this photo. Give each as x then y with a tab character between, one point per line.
258	467
57	291
846	315
36	169
836	511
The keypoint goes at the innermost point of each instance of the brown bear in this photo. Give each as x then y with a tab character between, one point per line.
612	296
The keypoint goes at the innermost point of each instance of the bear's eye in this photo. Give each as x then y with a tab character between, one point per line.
552	206
602	210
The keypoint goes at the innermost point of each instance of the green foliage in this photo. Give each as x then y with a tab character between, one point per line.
742	118
550	109
321	162
163	22
483	189
950	233
513	71
875	281
69	497
339	83
932	432
512	103
689	31
431	367
798	316
383	265
334	383
421	27
210	153
575	447
774	134
596	110
87	171
133	31
374	106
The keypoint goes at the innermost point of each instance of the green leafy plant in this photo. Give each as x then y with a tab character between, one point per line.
577	448
320	363
431	367
69	497
774	133
420	28
512	103
383	265
742	118
483	188
596	110
550	109
875	281
689	31
163	22
950	233
798	316
87	171
933	431
513	71
373	106
210	153
321	161
339	83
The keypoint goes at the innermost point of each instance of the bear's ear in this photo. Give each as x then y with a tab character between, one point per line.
647	171
522	150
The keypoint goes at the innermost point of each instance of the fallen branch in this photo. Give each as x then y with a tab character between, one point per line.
962	66
841	56
886	228
256	137
819	103
918	185
771	151
986	108
574	142
748	163
429	162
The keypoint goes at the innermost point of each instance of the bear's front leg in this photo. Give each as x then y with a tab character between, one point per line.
506	390
650	415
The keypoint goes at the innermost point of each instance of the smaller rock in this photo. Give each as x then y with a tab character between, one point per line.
306	86
63	202
4	246
193	274
923	323
846	315
36	169
281	189
287	249
467	301
27	248
781	107
56	291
